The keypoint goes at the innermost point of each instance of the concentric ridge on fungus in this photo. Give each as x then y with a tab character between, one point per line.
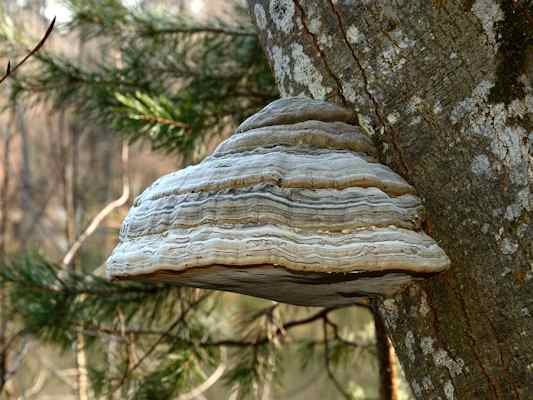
293	207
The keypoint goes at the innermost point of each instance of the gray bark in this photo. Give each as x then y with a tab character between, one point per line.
447	88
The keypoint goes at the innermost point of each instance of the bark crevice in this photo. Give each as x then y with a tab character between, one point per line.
391	133
320	53
495	387
342	29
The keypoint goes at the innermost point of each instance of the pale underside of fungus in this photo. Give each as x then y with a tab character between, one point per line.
293	207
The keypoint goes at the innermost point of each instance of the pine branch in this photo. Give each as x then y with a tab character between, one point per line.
75	318
319	316
164	121
172	326
186	73
49	303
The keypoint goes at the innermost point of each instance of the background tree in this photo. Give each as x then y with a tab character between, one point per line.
447	88
144	75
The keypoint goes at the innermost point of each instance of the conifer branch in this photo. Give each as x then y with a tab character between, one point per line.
164	121
180	319
229	343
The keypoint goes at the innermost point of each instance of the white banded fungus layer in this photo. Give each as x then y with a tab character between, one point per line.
293	207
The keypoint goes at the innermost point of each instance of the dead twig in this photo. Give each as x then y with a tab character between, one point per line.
340	339
37	387
69	256
327	362
10	70
210	381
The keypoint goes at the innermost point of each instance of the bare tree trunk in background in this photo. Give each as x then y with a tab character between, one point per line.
81	365
4	198
25	175
70	178
81	354
447	87
388	384
72	223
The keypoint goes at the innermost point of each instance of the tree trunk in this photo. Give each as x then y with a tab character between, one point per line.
388	387
26	201
446	86
4	199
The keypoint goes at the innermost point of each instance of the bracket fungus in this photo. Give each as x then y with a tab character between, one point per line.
293	207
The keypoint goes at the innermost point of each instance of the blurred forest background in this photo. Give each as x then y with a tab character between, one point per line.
122	93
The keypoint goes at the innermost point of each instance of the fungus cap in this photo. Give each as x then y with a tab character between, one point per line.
293	207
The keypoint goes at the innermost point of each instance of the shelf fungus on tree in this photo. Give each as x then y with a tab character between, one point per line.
293	207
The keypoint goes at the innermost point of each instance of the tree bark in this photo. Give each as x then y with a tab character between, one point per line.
446	86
